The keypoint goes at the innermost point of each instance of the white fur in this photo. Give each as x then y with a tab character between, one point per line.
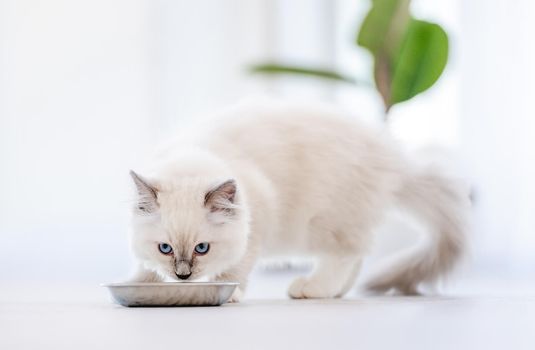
310	181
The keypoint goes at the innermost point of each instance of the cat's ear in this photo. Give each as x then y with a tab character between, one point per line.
222	198
147	194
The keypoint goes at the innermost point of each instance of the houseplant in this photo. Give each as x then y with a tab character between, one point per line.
409	54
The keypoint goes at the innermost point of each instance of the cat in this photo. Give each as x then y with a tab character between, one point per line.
281	179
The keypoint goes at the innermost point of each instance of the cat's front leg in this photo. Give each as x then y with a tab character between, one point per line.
143	274
332	278
236	296
239	273
234	275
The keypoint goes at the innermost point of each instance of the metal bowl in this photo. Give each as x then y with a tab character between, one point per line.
172	293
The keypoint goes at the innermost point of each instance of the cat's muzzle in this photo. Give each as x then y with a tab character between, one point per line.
183	269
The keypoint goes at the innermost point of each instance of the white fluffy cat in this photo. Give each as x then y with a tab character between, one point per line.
287	180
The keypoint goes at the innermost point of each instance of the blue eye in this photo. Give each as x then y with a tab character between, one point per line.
165	248
202	248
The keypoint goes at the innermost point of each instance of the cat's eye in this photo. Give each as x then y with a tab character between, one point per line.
165	248
202	248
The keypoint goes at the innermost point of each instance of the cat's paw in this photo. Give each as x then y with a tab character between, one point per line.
236	296
296	288
303	288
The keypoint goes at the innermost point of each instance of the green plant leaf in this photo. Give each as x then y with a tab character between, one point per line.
420	61
383	28
275	68
409	54
382	33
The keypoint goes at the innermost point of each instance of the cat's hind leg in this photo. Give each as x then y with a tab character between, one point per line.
352	278
332	278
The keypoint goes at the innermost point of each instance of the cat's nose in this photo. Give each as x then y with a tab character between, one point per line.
183	277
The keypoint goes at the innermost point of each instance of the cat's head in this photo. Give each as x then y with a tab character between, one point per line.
189	227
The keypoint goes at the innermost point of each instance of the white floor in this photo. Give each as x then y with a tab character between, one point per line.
56	317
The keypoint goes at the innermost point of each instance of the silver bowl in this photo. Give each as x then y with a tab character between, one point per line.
172	293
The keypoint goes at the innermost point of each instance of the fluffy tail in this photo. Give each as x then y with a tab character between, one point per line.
442	204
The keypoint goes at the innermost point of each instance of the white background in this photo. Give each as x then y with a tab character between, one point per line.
86	86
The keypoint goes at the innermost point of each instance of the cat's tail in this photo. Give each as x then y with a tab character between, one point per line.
442	204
